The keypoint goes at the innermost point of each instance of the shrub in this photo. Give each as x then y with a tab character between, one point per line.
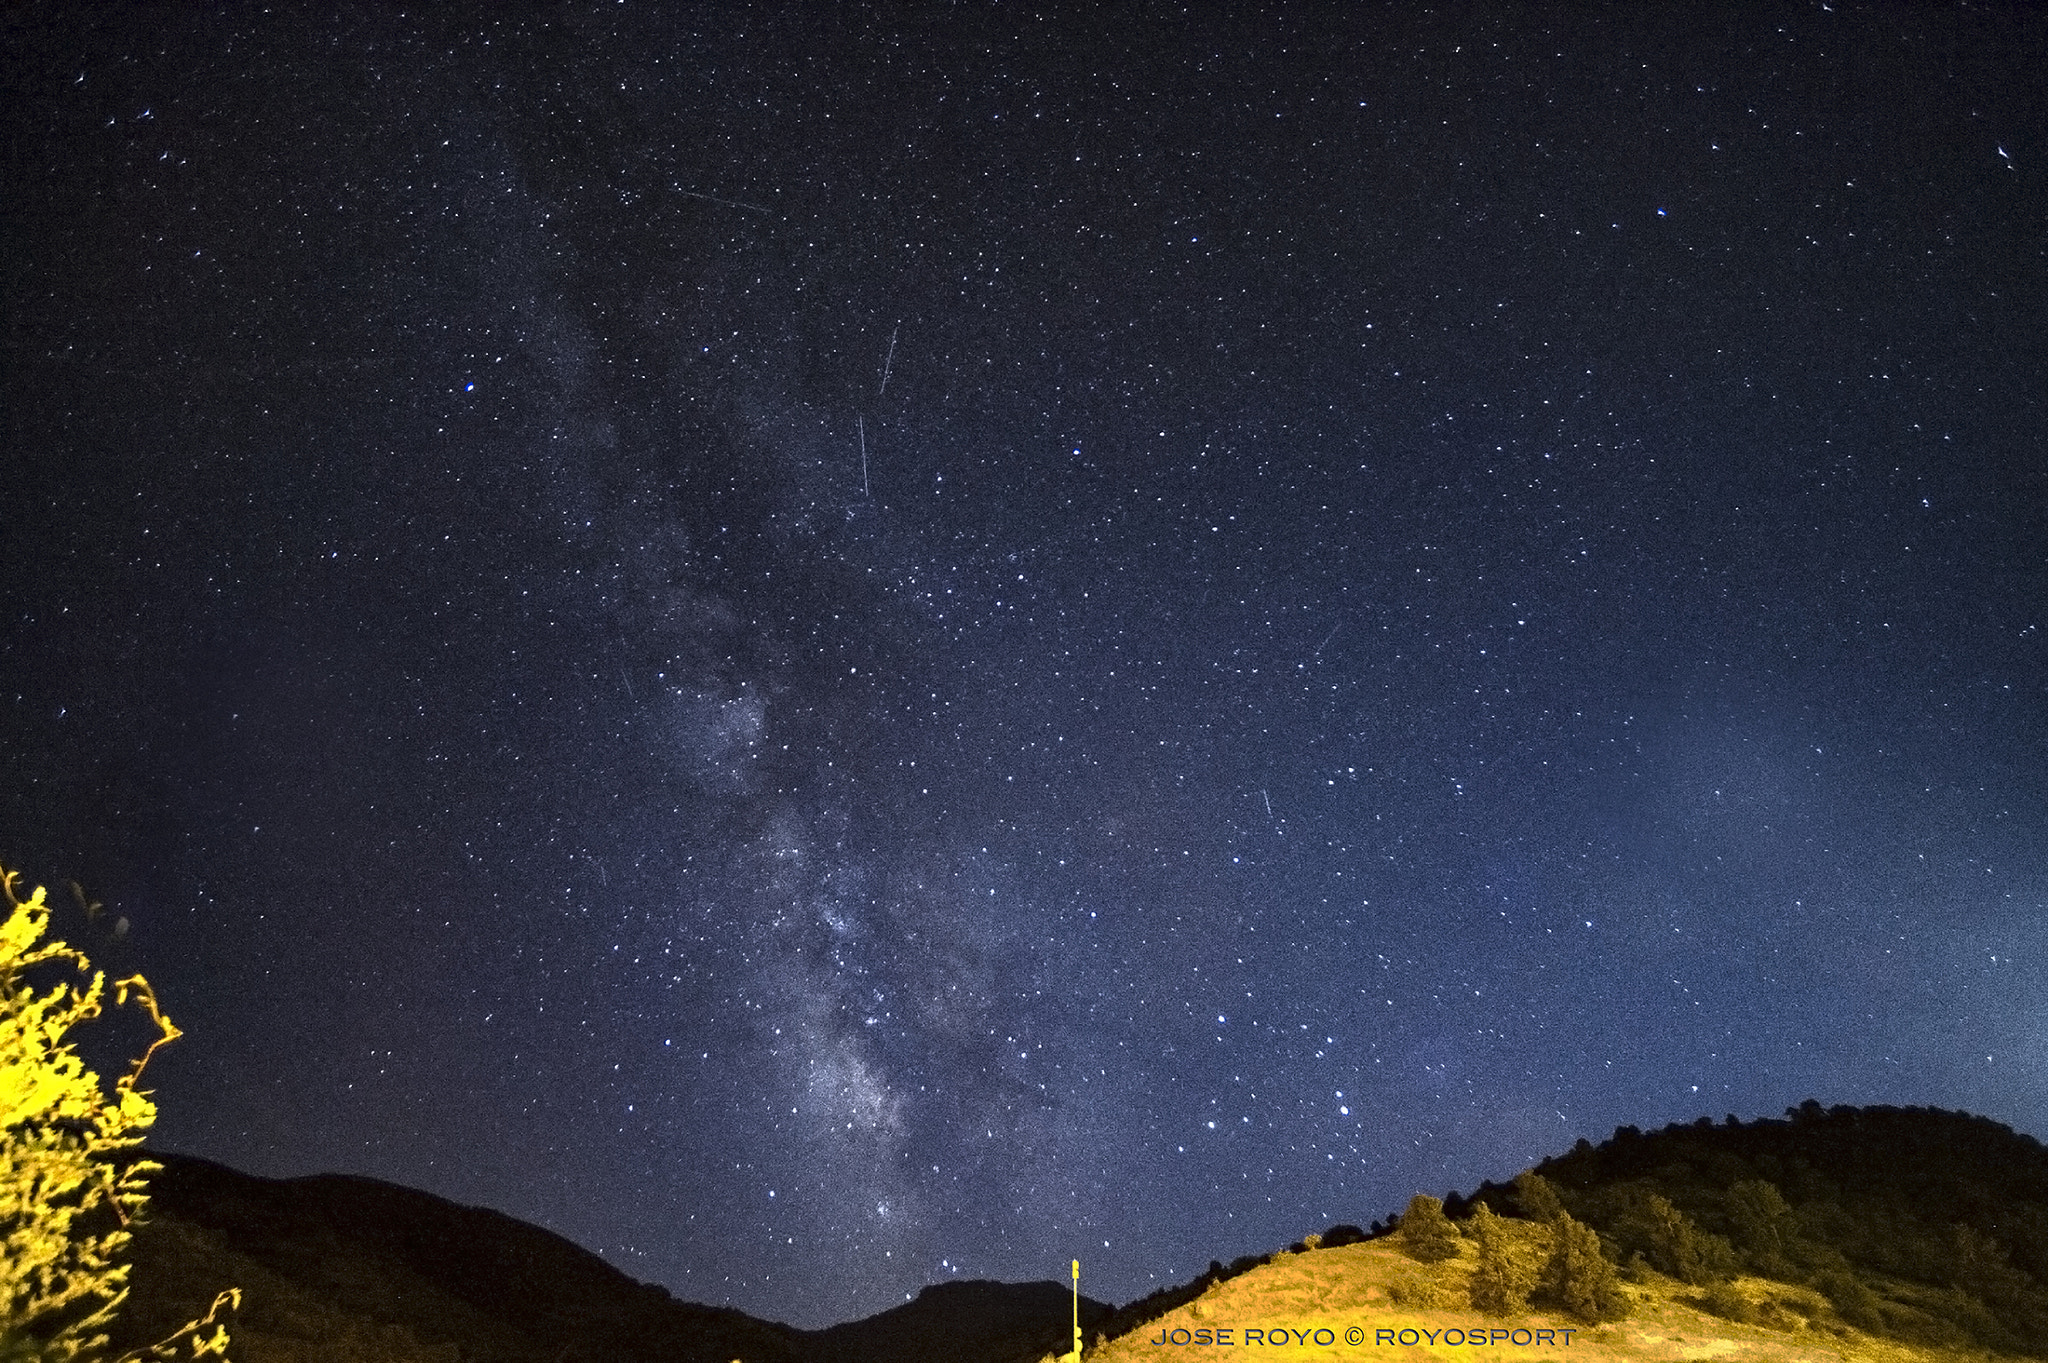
1537	1197
1677	1247
1428	1234
1726	1300
1579	1277
1423	1293
1763	1226
1852	1299
1501	1283
1343	1235
69	1188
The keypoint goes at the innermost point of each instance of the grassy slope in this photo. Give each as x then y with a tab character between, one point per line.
1375	1287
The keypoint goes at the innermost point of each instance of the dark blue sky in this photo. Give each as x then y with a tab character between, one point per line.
826	649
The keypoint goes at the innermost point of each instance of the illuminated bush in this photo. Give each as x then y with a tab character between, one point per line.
1537	1197
1677	1247
1726	1300
1427	1233
1500	1283
1579	1277
68	1189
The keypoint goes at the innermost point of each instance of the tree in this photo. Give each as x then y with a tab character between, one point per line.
69	1188
1430	1236
1851	1297
1680	1248
1579	1276
1537	1197
1501	1283
1763	1224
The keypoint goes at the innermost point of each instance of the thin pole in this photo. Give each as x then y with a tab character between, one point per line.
1077	1311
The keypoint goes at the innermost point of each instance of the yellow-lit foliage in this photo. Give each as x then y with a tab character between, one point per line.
67	1196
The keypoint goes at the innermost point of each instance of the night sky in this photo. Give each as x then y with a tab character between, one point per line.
825	648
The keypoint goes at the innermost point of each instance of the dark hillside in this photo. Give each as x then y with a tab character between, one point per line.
951	1322
1926	1225
343	1268
1943	1165
337	1269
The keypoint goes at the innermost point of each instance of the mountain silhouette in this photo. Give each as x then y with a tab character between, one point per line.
952	1322
1915	1226
336	1268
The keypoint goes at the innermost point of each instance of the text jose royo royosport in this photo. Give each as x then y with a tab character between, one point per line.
1209	1336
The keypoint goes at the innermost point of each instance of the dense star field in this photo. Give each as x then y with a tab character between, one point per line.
828	648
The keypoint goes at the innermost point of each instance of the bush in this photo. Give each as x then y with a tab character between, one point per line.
1500	1284
1726	1300
1579	1277
1343	1235
1424	1293
1428	1235
1536	1197
69	1187
1852	1299
1678	1247
1764	1227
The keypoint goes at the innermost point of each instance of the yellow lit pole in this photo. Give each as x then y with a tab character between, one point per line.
1077	1311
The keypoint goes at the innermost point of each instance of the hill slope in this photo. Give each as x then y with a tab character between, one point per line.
1895	1234
1874	1233
963	1322
1403	1309
1924	1225
337	1269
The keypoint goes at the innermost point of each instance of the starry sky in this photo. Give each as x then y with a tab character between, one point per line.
825	647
